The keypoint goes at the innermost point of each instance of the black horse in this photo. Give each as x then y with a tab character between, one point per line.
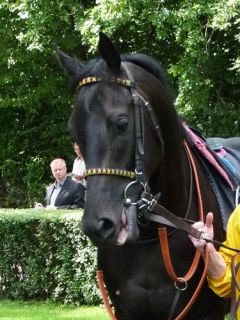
128	130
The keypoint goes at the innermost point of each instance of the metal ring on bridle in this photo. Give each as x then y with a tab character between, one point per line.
132	183
183	283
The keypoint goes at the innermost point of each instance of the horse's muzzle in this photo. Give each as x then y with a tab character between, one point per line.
105	231
100	232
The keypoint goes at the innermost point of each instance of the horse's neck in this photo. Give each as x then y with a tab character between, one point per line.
172	179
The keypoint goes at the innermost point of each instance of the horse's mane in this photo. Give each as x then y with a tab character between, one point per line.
149	64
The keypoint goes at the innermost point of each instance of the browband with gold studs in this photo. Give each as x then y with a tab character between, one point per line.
108	171
89	80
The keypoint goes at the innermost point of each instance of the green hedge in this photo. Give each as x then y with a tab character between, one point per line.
44	255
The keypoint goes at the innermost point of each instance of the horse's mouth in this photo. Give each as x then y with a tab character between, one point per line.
123	234
128	226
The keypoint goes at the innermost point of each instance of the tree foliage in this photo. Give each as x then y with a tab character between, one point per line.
198	42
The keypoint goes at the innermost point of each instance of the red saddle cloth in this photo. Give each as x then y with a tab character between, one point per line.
210	155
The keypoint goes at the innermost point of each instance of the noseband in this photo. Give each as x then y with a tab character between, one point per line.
111	172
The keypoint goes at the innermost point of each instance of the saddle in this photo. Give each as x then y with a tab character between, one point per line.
222	166
229	157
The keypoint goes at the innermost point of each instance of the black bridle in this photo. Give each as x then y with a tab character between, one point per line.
146	202
108	171
137	176
138	104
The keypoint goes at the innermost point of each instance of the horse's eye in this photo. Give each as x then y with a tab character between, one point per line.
122	124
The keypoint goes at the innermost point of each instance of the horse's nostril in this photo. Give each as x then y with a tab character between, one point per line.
106	228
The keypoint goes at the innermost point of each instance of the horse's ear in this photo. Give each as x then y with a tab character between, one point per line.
69	64
109	53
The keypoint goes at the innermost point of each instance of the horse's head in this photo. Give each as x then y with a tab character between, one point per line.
104	125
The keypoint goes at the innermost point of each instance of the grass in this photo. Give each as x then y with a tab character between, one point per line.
18	310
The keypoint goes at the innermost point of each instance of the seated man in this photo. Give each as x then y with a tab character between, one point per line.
64	193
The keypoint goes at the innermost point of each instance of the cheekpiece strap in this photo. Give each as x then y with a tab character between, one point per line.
123	82
109	171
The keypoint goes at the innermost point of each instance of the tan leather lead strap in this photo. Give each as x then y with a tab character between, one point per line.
189	274
200	203
104	294
196	293
165	247
162	232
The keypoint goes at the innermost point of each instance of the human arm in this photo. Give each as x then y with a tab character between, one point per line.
72	197
223	286
219	269
38	205
71	207
78	178
216	263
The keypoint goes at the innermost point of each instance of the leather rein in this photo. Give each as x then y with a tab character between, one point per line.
148	203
